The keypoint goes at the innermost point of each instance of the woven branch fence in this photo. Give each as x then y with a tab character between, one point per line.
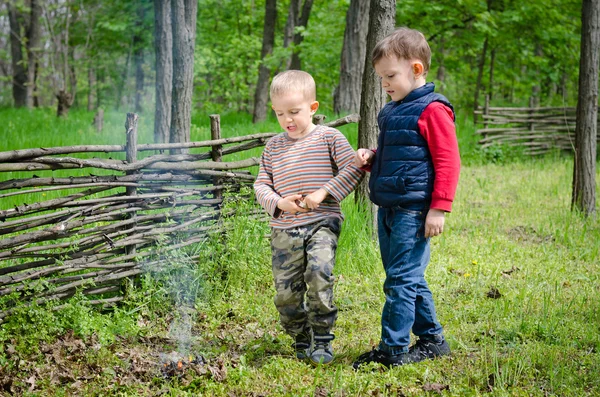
120	218
538	129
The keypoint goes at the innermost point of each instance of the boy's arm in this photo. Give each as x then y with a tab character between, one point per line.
436	125
264	188
349	176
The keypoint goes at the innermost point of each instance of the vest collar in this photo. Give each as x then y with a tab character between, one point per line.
428	88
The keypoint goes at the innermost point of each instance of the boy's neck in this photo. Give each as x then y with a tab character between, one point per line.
309	128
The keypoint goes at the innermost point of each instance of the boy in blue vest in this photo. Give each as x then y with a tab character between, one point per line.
414	174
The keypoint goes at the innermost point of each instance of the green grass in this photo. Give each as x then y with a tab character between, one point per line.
511	229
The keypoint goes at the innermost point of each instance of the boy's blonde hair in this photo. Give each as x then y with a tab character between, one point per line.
404	43
294	81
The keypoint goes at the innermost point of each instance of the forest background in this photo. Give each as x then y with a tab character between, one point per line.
506	49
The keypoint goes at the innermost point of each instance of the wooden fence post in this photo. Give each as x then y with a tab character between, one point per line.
531	113
217	150
131	157
486	110
319	119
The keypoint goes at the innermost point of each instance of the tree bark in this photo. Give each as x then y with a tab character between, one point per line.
382	17
441	72
292	20
479	78
184	14
536	90
288	33
34	35
91	102
138	58
163	44
65	101
19	81
347	95
261	94
298	37
584	170
492	64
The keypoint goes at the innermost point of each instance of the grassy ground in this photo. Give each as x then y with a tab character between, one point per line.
515	277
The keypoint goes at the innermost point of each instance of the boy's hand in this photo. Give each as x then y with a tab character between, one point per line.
313	200
434	223
363	157
289	204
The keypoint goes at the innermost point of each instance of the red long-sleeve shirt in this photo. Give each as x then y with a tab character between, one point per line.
436	125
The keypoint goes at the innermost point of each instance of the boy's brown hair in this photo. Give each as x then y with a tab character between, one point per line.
404	43
294	81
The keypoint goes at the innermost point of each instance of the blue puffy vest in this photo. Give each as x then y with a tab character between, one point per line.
402	173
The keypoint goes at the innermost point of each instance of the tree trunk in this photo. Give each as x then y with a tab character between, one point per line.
492	63
288	32
479	78
480	69
91	103
34	35
138	59
262	85
295	64
184	14
19	80
536	89
65	100
347	95
584	170
382	17
292	19
163	44
441	72
124	78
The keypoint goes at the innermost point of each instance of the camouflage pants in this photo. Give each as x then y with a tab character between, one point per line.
303	260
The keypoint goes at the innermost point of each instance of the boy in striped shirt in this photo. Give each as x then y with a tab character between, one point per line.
305	172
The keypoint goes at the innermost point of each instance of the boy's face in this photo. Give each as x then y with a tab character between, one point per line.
399	76
294	113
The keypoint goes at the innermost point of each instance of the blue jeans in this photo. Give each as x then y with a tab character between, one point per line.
408	300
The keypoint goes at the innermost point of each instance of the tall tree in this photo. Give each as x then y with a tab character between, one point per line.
138	55
34	34
59	20
347	94
261	94
382	17
184	14
25	33
584	170
480	67
288	33
163	44
299	36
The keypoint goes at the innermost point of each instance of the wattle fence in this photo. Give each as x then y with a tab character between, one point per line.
88	231
537	129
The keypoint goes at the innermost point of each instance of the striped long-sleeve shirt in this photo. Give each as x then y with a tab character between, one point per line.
322	159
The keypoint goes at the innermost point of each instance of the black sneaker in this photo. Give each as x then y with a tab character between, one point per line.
321	352
427	349
381	357
302	345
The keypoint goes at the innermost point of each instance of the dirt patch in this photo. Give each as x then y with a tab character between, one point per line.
528	234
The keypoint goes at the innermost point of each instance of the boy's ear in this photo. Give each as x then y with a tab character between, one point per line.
418	69
314	106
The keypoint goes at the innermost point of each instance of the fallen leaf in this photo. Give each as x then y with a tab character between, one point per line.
31	381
